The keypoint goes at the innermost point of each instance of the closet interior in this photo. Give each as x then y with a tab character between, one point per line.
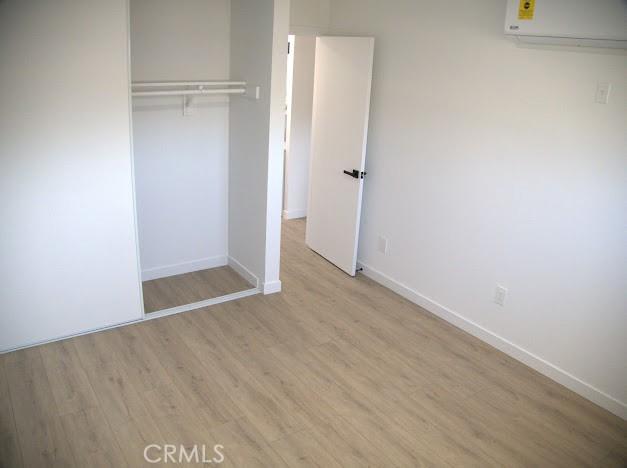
104	189
183	92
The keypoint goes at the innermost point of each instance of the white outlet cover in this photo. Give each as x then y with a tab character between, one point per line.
384	245
603	93
500	295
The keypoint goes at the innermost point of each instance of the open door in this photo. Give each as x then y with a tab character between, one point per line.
341	105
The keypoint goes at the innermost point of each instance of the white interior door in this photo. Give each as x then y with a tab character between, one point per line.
341	104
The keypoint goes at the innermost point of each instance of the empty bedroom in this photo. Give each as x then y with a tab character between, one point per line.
318	233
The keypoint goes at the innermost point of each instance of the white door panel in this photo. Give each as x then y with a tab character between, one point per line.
342	82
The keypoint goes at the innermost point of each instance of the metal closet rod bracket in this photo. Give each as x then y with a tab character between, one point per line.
253	93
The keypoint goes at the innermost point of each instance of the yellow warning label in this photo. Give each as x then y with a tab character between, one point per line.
525	9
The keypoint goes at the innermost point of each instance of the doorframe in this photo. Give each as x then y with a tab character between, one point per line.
289	86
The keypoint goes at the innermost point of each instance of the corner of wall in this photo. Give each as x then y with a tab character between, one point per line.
275	144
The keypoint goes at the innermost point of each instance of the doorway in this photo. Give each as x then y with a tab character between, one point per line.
299	103
327	111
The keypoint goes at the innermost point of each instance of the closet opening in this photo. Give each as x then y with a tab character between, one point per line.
181	101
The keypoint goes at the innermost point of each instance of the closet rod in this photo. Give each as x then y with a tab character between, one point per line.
158	84
190	92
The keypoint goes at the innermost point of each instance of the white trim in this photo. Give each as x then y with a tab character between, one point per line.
552	371
272	287
184	267
73	335
201	304
132	159
148	316
294	214
243	272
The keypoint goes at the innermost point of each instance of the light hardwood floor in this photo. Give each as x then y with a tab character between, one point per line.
332	372
172	291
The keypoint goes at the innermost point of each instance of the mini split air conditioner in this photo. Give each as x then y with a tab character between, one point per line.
590	23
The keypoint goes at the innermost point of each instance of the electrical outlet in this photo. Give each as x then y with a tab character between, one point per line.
603	93
500	295
384	245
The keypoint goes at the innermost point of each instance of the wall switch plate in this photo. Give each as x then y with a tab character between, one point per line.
603	93
384	245
500	295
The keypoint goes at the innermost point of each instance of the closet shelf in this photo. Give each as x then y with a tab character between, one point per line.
190	92
200	87
189	89
160	84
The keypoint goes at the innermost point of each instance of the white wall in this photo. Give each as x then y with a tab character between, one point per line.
280	30
67	244
490	163
259	31
299	142
181	161
309	17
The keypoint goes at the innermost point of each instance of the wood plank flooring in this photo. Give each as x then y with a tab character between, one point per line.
173	291
332	372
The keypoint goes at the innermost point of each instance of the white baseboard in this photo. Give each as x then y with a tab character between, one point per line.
294	214
185	267
243	271
272	287
553	372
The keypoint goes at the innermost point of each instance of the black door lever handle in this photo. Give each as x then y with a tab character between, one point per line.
355	174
